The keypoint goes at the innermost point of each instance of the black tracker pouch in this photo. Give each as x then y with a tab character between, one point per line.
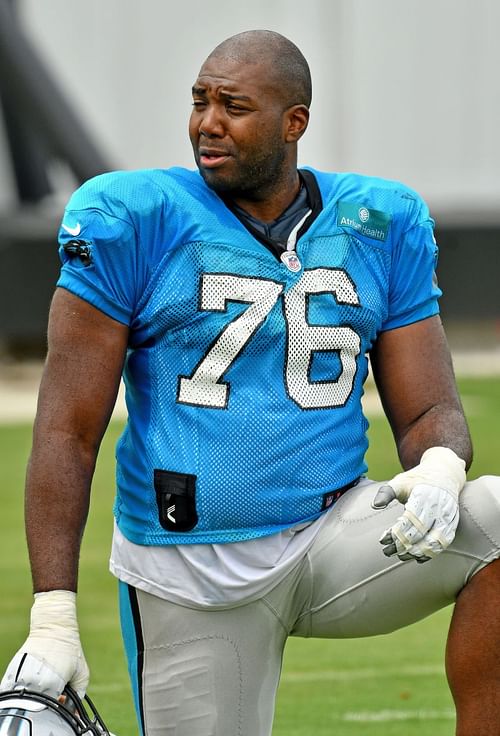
176	499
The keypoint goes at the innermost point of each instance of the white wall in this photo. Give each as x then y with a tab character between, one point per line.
407	89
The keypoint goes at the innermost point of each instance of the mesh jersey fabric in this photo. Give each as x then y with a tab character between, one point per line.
240	372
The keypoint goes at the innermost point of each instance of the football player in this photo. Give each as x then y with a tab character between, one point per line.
241	303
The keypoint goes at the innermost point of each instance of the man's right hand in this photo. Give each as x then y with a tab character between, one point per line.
52	656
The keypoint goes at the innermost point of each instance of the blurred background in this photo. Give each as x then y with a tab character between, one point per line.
406	90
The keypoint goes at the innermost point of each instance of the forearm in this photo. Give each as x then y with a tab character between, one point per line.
76	398
439	426
56	505
413	371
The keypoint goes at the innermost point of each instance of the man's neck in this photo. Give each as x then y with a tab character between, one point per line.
270	204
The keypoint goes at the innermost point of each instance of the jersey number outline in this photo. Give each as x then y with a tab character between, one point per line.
206	387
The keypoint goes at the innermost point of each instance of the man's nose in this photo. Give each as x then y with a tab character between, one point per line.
211	124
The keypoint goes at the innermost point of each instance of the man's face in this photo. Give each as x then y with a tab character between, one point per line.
237	128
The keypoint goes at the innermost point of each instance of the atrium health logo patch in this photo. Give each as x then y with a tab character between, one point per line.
365	221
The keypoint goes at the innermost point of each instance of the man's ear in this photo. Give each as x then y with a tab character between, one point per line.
296	121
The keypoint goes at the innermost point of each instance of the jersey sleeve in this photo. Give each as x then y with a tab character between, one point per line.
98	248
413	289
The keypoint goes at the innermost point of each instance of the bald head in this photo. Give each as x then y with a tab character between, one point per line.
286	63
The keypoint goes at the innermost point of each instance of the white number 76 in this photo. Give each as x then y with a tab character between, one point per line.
205	386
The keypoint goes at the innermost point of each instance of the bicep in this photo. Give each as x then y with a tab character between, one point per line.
86	350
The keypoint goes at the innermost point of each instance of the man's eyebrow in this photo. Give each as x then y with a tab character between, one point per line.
233	96
201	92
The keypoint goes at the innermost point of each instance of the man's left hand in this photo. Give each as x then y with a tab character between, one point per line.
429	492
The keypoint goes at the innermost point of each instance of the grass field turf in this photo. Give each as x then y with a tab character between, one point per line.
383	686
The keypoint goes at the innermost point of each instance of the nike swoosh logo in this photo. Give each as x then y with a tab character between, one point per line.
73	230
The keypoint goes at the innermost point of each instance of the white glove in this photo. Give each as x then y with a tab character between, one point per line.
51	657
430	493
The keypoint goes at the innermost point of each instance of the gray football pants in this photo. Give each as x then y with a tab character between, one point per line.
216	672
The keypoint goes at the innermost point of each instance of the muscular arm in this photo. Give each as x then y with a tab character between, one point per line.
86	350
414	376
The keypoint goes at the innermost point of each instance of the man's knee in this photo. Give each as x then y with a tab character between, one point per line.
478	533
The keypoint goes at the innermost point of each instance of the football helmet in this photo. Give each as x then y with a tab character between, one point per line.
26	713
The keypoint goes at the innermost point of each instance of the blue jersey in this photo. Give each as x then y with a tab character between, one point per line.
244	374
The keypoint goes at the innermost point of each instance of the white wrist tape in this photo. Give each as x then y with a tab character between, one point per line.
55	611
52	656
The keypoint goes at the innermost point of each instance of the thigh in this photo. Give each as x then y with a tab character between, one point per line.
201	672
354	590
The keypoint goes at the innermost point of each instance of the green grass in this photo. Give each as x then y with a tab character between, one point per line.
328	687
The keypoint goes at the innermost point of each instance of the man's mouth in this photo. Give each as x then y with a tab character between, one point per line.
211	159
